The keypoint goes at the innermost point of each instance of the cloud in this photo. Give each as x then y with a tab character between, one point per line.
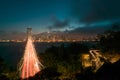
58	24
96	10
90	30
103	10
61	24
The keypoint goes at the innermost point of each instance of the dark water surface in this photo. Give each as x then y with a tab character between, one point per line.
12	52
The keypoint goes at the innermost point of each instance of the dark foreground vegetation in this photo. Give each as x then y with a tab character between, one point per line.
64	62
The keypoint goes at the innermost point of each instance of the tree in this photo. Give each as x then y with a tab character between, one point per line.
65	59
3	67
109	40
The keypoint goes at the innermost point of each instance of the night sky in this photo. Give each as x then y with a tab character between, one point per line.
45	15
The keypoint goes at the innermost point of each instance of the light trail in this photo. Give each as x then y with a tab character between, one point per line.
97	59
30	64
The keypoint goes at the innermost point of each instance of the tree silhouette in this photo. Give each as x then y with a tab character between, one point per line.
109	40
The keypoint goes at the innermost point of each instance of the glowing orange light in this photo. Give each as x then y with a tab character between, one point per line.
30	64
